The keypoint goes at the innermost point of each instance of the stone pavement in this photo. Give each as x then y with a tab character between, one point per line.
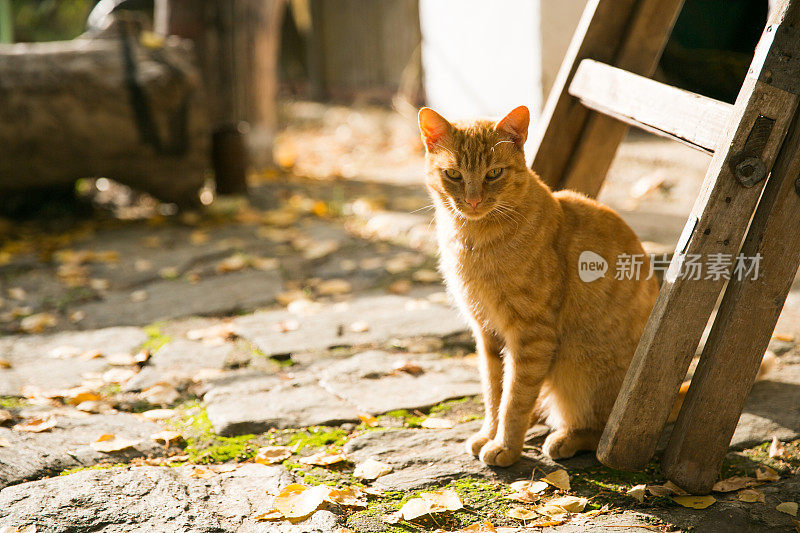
144	364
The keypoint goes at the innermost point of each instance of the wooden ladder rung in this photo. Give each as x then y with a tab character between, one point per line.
695	120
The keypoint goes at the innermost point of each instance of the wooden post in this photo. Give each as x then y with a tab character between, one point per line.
760	120
574	146
237	45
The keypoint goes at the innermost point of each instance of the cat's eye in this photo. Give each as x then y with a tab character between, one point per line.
453	174
494	173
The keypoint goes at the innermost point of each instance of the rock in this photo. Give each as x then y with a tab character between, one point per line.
422	458
52	362
333	391
358	379
771	409
34	455
145	499
167	299
387	316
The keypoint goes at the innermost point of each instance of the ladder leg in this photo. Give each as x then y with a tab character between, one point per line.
761	117
742	329
574	146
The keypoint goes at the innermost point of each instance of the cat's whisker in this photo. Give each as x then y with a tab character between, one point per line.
501	142
429	206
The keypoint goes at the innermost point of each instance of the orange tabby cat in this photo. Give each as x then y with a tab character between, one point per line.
551	345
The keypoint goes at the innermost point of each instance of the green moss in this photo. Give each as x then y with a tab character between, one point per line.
94	467
12	402
409	419
318	437
155	338
447	405
203	445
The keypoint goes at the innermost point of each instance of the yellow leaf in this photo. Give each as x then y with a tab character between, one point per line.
202	472
368	420
637	492
36	425
765	473
751	496
81	397
108	443
347	497
733	484
443	500
270	455
695	502
414	508
557	506
479	527
559	479
789	508
521	513
371	469
299	501
273	514
324	458
5	363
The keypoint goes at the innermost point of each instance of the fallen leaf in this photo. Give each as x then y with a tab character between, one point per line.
371	469
299	501
273	514
264	264
270	455
118	375
5	416
233	263
5	363
556	506
347	497
559	479
166	437
121	359
161	394
400	287
675	489
38	322
4	442
777	449
225	331
733	484
158	414
426	276
368	420
324	458
359	327
409	367
765	473
437	501
319	249
437	423
479	527
751	496
285	326
789	508
548	522
109	443
202	472
394	518
695	502
521	513
784	337
17	293
334	287
637	492
36	425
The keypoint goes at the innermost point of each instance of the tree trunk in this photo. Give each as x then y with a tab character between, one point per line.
88	108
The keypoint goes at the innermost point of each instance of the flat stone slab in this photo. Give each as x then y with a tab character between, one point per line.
387	317
166	299
771	408
147	499
333	391
35	455
51	362
427	457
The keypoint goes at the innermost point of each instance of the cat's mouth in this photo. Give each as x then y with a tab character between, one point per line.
473	213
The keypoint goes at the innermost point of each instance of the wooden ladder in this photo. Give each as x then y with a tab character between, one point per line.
749	204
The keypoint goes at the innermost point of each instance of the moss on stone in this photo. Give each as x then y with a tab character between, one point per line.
317	437
203	445
104	466
12	402
155	338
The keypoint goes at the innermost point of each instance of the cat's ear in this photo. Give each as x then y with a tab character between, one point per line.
516	124
433	126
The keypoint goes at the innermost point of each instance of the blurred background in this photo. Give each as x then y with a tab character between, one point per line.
198	131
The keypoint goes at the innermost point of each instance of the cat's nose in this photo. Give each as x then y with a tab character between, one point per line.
474	201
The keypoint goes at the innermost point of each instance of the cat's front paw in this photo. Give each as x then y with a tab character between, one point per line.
494	453
476	442
559	445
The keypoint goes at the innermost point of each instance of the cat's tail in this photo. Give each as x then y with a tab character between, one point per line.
768	363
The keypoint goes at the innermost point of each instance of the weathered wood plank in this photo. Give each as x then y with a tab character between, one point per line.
717	224
574	146
690	118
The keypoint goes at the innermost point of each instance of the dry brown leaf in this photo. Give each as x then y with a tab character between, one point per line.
559	479
789	508
479	527
733	484
36	425
785	337
409	367
4	363
202	472
299	501
159	414
548	522
437	501
426	276
319	249
334	287
38	322
675	489
324	458
777	449
751	496
347	497
166	437
695	502
637	492
225	331
658	490
371	469
233	263
270	455
400	287
161	394
108	443
437	423
765	473
533	487
368	420
82	396
273	514
522	513
557	506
